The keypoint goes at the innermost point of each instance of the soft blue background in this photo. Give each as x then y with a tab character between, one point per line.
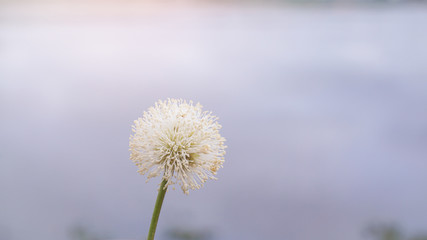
324	110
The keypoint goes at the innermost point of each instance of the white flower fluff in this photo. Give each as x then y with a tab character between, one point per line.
179	140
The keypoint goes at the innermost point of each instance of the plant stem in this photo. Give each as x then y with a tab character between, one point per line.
156	212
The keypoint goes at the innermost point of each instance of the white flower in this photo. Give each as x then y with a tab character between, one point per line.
179	140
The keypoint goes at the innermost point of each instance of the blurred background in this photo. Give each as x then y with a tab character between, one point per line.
323	105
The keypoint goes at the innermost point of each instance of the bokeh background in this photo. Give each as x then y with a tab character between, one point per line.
323	105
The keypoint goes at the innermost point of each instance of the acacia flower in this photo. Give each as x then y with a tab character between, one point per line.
180	141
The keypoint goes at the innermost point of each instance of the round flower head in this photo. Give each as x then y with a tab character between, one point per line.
179	140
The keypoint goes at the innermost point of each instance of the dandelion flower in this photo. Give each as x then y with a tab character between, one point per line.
180	141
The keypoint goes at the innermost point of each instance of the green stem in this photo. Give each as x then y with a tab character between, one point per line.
156	212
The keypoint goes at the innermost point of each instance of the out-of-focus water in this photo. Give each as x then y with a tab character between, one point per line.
324	110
